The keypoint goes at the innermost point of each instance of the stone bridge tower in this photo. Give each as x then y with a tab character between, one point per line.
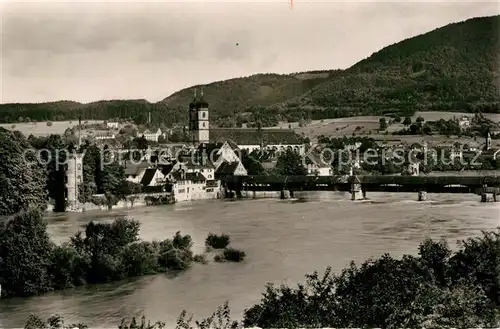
74	177
198	120
74	174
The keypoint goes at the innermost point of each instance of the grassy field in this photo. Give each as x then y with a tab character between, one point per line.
368	125
362	125
41	128
434	116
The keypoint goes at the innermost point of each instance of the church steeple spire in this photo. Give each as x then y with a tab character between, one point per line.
192	105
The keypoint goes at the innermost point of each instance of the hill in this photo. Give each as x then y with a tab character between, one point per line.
249	94
452	68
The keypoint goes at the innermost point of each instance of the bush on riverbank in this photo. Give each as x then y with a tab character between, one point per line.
234	255
230	255
217	241
220	319
31	264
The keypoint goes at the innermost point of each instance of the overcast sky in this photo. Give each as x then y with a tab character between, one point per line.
91	51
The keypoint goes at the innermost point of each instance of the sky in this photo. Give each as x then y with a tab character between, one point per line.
87	51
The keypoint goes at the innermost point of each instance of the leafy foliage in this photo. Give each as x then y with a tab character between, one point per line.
31	264
23	179
290	163
234	255
437	289
251	162
54	322
25	252
53	152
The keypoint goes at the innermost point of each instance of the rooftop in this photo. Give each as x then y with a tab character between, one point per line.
193	162
195	177
227	168
148	176
134	168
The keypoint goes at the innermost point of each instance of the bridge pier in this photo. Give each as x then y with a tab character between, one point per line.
285	194
357	193
422	196
485	190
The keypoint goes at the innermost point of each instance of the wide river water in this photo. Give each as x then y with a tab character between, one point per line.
283	241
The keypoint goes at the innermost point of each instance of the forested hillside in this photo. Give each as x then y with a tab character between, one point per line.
250	94
453	68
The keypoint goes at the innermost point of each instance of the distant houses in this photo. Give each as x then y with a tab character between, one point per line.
104	135
464	123
318	165
112	124
153	136
195	169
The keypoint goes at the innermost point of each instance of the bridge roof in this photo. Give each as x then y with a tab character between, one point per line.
431	180
379	180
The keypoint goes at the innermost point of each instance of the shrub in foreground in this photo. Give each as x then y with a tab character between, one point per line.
220	319
217	241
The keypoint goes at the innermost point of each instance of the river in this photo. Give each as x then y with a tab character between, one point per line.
283	241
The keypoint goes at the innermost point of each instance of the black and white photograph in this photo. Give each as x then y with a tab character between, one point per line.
230	164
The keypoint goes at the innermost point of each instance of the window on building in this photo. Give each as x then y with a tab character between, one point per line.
79	166
203	124
203	114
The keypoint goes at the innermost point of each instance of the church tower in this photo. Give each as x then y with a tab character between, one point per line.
198	120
